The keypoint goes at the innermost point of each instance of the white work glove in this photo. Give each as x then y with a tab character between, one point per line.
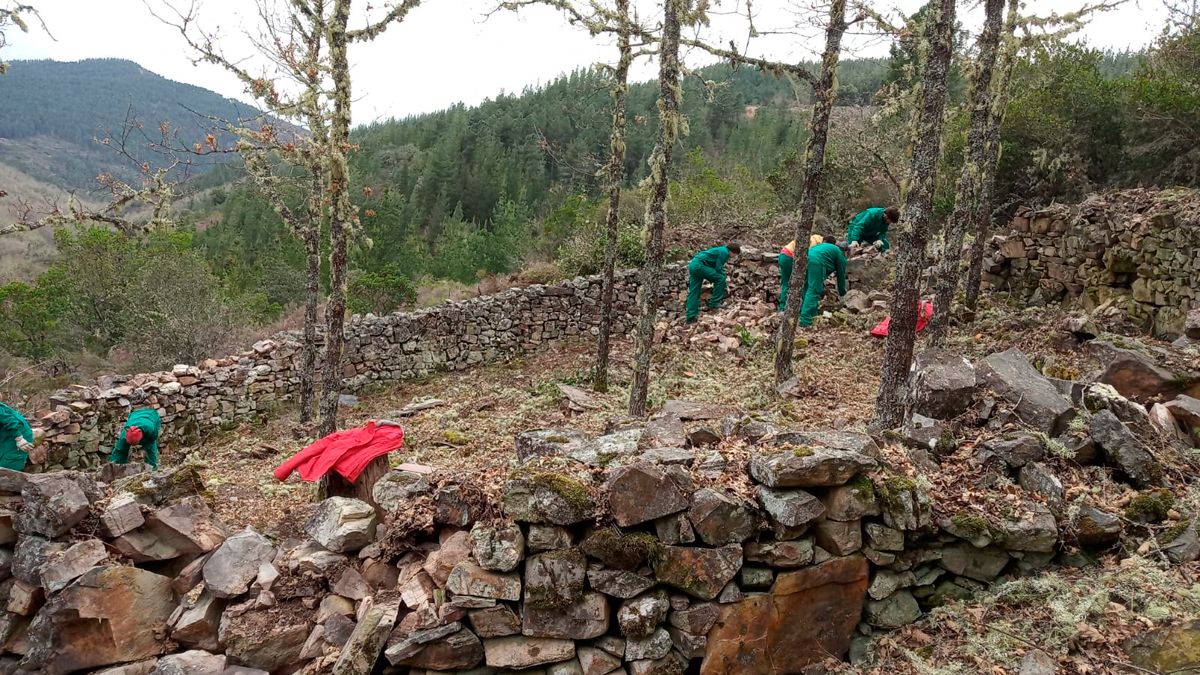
23	445
388	423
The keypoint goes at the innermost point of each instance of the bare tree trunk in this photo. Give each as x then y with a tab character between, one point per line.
616	173
341	215
656	215
814	168
983	222
918	207
970	182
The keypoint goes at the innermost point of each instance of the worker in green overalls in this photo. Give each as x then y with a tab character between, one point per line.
708	265
823	259
141	429
871	226
16	439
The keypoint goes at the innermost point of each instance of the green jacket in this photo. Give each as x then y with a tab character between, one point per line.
12	426
714	257
148	420
868	226
826	259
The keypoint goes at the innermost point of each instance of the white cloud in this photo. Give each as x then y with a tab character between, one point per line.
447	52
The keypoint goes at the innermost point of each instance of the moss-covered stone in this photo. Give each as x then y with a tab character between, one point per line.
971	525
892	487
620	550
574	492
1150	507
864	485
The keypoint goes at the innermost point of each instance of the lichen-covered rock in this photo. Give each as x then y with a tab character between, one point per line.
638	617
805	466
619	583
548	498
453	550
656	645
942	384
360	650
904	504
641	492
396	489
60	569
498	548
342	524
595	661
852	501
550	443
192	662
1167	649
1181	543
497	621
547	538
719	518
794	553
837	537
1031	529
1134	374
789	511
623	551
583	619
554	579
471	579
884	538
699	572
1123	450
460	650
1037	478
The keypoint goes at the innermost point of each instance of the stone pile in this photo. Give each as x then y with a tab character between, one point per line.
1134	252
702	538
83	421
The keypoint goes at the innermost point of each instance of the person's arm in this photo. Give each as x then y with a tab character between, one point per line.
856	229
120	449
839	267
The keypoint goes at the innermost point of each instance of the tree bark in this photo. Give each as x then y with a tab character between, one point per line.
669	123
616	173
970	182
983	223
333	485
918	206
825	92
341	216
308	353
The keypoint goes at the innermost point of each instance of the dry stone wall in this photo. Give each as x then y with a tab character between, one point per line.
1136	251
219	393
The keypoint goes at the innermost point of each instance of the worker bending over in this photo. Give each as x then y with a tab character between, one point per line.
871	226
16	439
141	429
787	259
708	265
823	259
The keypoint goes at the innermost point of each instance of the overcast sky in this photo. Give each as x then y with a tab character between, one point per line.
449	51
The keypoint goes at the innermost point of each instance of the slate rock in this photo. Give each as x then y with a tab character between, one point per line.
853	501
595	661
1134	374
1037	402
1037	478
1016	448
549	443
583	619
897	610
699	572
1123	450
199	624
697	619
638	617
790	512
619	583
548	499
526	652
884	538
837	537
342	524
192	662
547	538
657	645
109	615
397	489
229	571
497	621
1032	529
794	553
498	548
980	564
471	579
459	651
555	578
809	467
942	384
53	505
1096	529
642	492
453	550
60	569
719	519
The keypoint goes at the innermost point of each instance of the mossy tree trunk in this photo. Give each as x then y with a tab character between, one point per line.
937	51
1002	87
669	127
825	90
967	203
615	173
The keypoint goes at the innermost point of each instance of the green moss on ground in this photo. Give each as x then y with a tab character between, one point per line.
1150	507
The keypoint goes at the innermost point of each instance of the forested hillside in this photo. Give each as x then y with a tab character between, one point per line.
52	113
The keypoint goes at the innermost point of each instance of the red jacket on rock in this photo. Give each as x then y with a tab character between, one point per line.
348	452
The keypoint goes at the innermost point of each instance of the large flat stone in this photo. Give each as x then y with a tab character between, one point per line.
700	572
641	492
806	466
810	614
1037	402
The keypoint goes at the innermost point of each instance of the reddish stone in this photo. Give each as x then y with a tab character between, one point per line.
809	615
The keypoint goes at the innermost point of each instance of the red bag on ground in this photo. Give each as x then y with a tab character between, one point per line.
348	452
923	316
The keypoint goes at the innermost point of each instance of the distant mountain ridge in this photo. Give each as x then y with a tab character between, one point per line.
51	112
